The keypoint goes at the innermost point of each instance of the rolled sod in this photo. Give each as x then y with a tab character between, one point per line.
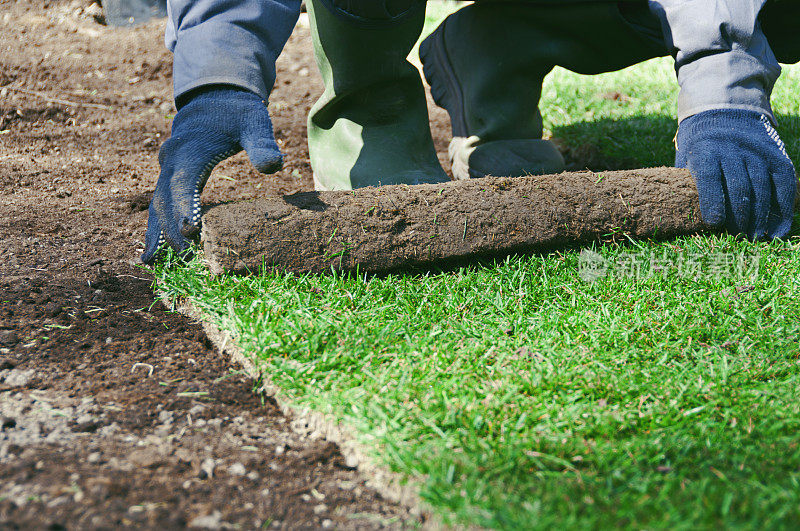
394	228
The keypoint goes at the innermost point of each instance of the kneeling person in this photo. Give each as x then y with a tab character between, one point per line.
486	63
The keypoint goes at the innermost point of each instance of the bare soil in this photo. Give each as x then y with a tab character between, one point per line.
114	410
393	228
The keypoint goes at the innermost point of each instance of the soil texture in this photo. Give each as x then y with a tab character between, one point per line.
398	227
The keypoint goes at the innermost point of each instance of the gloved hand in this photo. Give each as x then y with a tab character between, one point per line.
744	176
216	123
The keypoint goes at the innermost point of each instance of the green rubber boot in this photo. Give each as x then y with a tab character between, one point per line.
370	127
486	63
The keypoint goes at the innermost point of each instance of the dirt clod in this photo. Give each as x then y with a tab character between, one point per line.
8	338
16	377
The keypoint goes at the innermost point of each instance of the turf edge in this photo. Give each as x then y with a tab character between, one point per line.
313	424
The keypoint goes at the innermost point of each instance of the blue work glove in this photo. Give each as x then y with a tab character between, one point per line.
744	176
216	123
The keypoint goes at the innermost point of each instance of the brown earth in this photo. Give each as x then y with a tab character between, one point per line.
114	410
398	227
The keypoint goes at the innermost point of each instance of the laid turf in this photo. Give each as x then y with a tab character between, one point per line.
661	392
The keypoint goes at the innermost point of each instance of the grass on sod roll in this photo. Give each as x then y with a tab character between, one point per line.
664	393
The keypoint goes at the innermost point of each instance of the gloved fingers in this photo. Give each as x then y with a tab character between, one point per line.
784	182
265	157
157	240
708	175
153	238
174	207
185	170
258	141
681	156
762	188
186	185
161	230
739	197
178	243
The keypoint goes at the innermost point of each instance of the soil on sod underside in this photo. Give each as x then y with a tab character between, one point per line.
393	228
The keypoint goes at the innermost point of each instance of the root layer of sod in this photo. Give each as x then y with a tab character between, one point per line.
396	228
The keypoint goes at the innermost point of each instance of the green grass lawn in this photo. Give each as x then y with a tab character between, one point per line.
519	395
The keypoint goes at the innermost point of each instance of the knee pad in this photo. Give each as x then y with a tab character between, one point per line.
372	12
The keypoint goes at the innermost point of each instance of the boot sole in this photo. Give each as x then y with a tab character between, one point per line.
448	94
445	90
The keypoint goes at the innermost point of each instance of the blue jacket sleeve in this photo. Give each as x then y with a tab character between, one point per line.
722	56
234	42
